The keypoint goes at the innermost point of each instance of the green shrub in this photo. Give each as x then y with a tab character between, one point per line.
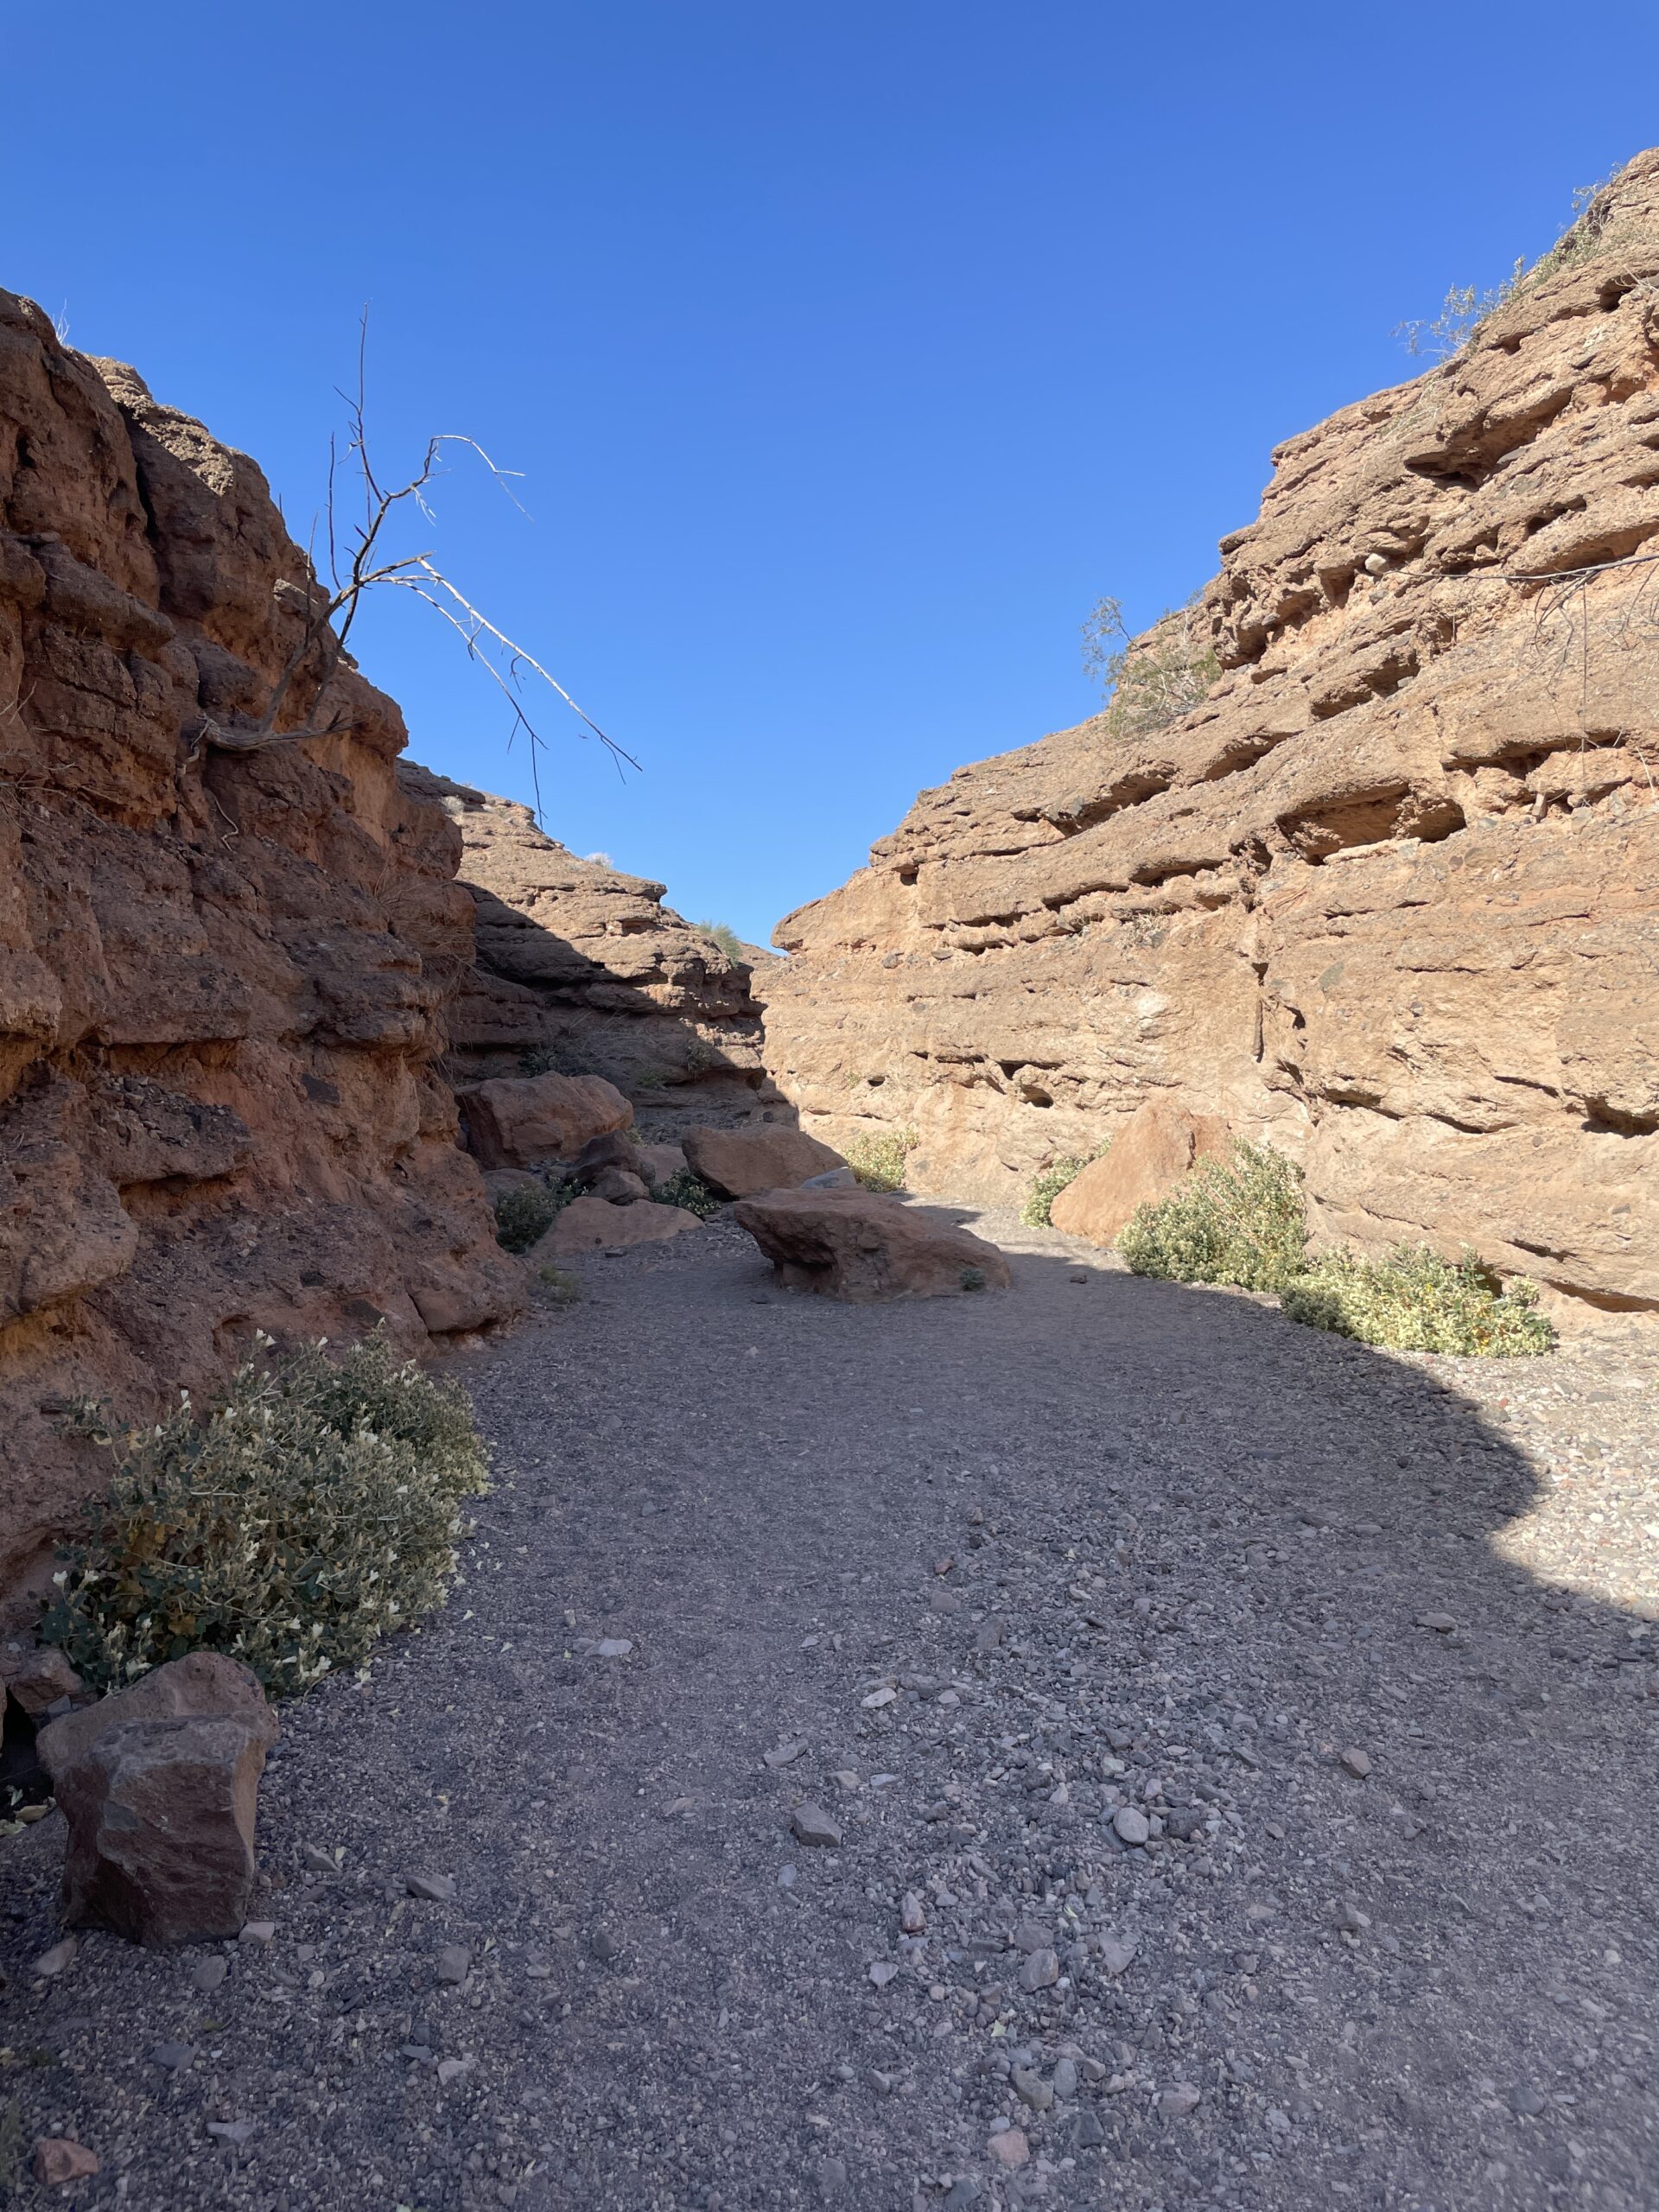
687	1190
311	1512
562	1288
1241	1220
879	1162
1416	1301
524	1214
1047	1184
1151	680
727	938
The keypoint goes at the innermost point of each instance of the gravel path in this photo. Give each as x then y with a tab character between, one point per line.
1239	1744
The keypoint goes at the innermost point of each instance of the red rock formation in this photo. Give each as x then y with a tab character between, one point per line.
585	969
1387	898
218	1110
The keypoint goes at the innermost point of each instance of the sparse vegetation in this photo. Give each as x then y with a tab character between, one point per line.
727	938
1244	1220
1466	307
973	1278
562	1288
1154	680
686	1189
1048	1182
1416	1300
551	1059
1240	1220
312	1511
879	1162
524	1214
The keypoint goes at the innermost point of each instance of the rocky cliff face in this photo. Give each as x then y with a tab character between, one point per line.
581	969
1389	897
219	1108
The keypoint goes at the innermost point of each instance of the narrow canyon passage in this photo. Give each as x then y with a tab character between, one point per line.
1094	1744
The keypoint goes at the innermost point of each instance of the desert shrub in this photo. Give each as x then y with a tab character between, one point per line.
727	938
1416	1301
1048	1182
310	1512
1240	1220
1154	680
973	1278
563	1287
686	1189
524	1214
879	1162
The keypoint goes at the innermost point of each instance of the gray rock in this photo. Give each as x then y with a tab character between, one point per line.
1032	2089
436	1889
1132	1825
54	1961
233	2131
785	1754
1065	2078
454	1963
811	1824
174	2057
1040	1971
1526	2101
208	1973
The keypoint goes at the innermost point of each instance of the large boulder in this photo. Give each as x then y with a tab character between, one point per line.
594	1224
521	1121
1159	1145
738	1163
855	1245
159	1786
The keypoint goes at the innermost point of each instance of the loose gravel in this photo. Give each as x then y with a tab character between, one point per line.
1096	1744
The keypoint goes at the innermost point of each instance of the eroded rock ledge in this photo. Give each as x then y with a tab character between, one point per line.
1388	897
220	972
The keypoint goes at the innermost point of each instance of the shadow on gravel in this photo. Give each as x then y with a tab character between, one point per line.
984	1575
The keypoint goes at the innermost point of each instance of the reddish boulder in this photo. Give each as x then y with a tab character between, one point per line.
1159	1145
739	1163
521	1121
594	1224
36	1678
59	2159
855	1245
159	1785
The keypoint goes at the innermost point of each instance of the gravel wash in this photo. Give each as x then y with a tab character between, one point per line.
1096	1745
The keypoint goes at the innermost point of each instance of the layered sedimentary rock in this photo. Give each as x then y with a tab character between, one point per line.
584	970
219	1103
1387	898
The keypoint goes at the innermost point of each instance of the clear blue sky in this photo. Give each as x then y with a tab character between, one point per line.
849	350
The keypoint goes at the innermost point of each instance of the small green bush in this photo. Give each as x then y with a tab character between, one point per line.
1151	680
1416	1301
879	1162
1047	1184
727	938
524	1214
1242	1220
686	1189
311	1512
563	1287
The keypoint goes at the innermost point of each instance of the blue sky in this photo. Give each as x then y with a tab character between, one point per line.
848	352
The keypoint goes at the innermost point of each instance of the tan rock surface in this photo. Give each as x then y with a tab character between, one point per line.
1159	1145
857	1246
219	1108
592	1224
525	1121
737	1163
1387	898
581	967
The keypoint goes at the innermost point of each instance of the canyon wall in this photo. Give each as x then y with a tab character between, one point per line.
220	1108
1389	897
582	968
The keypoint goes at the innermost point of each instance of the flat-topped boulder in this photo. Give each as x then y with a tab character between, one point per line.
860	1247
523	1121
595	1225
1157	1146
738	1163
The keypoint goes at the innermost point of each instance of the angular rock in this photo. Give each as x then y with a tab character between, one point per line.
619	1187
527	1121
738	1163
158	1785
59	2159
593	1225
860	1247
613	1149
1153	1150
36	1678
811	1824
